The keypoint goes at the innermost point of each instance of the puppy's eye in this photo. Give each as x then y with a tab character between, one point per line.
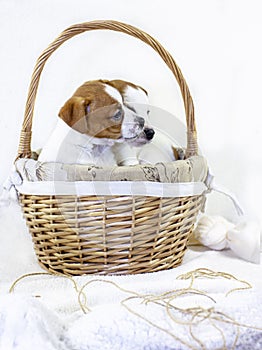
118	116
88	109
148	112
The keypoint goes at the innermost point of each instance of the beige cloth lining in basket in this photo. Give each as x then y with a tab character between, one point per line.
193	169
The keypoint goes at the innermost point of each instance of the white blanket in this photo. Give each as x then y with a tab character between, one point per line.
49	312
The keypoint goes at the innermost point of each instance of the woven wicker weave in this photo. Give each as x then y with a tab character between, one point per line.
111	234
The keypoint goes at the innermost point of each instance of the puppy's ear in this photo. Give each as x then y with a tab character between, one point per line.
74	113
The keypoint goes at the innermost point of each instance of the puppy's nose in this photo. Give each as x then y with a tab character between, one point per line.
149	133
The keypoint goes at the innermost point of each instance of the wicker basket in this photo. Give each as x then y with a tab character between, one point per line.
116	234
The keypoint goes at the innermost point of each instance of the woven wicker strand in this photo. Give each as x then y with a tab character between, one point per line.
76	235
25	148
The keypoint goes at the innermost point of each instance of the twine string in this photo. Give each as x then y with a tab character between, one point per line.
175	337
81	291
190	317
207	273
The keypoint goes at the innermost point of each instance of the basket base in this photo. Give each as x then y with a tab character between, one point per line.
79	270
109	235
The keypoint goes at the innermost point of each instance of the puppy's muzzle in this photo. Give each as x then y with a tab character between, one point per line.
140	121
149	133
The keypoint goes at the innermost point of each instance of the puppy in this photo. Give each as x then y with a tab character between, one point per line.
151	146
89	124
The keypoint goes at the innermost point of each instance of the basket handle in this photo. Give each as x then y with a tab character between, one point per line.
24	150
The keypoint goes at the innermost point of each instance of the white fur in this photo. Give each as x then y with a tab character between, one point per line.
156	151
159	149
131	126
66	145
114	93
137	99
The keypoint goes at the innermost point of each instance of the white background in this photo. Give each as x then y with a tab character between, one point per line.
216	43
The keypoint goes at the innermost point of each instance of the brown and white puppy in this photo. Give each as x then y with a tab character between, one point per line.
90	123
151	146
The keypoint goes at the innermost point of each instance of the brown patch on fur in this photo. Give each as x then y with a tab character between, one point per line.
121	85
91	109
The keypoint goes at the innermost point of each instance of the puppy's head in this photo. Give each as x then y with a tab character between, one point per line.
135	98
97	109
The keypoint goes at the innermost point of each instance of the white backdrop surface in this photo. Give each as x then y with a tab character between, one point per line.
216	43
